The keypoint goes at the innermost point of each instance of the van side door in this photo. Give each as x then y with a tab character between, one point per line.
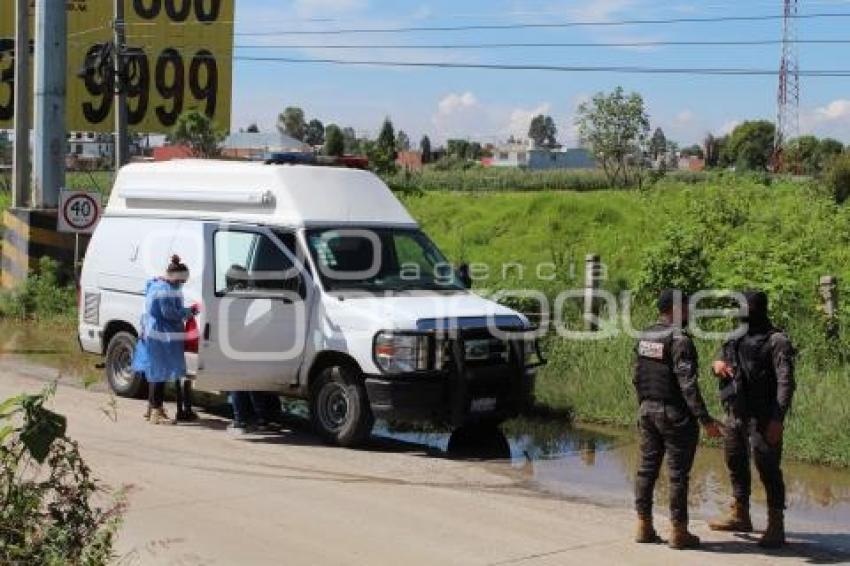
256	302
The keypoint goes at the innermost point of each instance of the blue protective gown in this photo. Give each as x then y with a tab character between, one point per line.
159	353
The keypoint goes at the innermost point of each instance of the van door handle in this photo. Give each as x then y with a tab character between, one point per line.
207	331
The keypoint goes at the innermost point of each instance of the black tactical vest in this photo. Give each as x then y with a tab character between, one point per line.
755	359
655	380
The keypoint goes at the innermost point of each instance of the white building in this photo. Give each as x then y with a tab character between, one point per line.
529	156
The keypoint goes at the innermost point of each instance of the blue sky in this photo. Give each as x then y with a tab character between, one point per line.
491	105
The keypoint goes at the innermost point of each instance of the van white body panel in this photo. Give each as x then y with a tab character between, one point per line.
161	209
297	195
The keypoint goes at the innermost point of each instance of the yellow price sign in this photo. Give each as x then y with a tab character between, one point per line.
179	57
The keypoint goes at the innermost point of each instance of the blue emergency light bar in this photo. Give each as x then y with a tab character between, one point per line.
352	161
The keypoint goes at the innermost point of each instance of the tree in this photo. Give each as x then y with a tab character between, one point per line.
658	144
402	141
334	141
349	136
802	155
196	131
425	148
712	147
543	131
751	145
292	123
615	127
838	178
671	154
382	153
829	149
253	128
459	149
314	133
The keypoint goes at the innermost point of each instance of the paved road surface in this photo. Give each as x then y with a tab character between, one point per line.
200	496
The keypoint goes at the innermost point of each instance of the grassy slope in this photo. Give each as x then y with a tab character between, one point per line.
781	237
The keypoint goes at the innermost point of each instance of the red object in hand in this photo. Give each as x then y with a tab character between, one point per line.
192	337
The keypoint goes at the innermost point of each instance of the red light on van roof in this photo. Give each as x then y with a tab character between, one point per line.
353	161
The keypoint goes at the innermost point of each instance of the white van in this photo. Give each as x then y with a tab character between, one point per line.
314	282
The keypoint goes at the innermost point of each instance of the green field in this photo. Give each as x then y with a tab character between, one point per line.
727	232
781	237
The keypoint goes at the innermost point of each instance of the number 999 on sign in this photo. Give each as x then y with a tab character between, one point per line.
178	57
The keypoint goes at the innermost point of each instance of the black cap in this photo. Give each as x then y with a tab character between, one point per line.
668	298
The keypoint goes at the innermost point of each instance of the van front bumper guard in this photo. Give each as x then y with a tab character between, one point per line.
460	393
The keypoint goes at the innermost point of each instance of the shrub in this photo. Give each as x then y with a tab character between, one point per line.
677	261
48	515
42	296
838	178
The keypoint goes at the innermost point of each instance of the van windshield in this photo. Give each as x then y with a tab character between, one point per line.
379	260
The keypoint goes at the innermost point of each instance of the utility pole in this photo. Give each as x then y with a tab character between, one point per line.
50	88
21	157
122	141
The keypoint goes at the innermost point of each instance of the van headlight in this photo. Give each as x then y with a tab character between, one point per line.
396	353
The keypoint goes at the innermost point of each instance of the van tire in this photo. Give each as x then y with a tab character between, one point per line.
119	356
339	407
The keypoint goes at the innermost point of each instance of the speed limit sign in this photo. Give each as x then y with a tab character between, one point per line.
78	212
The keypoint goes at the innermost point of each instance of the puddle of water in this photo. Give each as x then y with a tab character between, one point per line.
599	464
587	463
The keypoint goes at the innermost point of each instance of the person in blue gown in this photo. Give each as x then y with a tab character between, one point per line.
159	354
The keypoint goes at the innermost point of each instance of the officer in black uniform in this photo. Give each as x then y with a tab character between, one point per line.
671	409
757	385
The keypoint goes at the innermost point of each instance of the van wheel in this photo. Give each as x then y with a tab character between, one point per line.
119	373
339	407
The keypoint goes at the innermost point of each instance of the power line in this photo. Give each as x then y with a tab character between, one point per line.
550	25
554	68
512	45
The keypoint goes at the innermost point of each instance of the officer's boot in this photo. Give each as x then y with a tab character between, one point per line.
774	536
680	538
738	520
646	531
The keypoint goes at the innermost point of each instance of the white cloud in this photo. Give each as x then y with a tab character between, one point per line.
835	110
464	115
684	118
324	7
729	126
520	119
832	119
453	103
600	10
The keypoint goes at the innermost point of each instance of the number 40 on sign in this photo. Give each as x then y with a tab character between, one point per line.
78	211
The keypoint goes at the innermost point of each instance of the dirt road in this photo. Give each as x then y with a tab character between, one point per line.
200	496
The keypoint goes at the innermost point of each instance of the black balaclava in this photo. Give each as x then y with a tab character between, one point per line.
757	317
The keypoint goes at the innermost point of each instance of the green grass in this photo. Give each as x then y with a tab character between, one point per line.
100	181
506	179
781	237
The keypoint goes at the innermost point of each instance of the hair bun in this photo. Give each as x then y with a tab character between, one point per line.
175	259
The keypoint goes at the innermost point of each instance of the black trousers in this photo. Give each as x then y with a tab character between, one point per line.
745	436
183	389
156	395
671	430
